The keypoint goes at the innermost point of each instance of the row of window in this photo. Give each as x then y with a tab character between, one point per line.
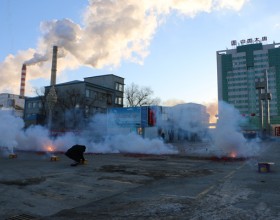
255	56
95	95
254	72
263	66
236	83
235	68
239	58
260	55
103	97
252	106
118	101
239	63
230	79
241	87
264	60
36	104
245	104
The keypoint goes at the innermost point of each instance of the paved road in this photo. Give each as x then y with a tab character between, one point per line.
119	186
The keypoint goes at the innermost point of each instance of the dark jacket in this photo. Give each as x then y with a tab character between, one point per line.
76	152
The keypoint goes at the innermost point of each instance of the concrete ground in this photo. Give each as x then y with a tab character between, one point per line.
133	186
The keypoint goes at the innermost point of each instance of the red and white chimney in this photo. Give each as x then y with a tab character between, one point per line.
22	83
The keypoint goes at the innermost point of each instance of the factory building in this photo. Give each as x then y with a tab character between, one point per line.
69	106
249	79
12	102
76	102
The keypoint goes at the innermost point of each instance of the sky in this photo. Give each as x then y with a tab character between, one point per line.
169	46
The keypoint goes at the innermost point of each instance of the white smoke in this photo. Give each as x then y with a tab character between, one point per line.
112	31
37	138
187	120
190	122
227	138
10	127
172	102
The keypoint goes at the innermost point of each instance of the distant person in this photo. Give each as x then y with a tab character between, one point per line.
76	153
163	135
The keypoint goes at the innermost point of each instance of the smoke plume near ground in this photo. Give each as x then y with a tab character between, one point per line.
111	31
227	138
36	138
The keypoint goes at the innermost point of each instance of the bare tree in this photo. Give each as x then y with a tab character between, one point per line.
40	92
74	106
139	96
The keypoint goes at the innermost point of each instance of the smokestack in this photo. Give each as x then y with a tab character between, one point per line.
54	63
22	83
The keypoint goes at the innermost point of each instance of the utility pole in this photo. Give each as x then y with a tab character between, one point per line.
266	96
259	86
264	128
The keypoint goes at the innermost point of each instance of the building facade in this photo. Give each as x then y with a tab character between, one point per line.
75	102
240	70
34	111
13	103
183	122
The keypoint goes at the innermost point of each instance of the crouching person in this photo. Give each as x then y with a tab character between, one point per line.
76	153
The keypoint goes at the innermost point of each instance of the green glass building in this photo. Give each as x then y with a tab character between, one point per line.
239	69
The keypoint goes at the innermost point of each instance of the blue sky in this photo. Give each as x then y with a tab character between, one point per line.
177	60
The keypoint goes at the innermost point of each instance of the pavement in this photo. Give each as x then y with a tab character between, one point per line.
138	186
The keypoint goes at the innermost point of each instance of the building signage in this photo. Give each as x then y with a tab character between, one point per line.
124	117
248	41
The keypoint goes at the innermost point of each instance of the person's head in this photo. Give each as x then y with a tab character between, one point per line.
84	148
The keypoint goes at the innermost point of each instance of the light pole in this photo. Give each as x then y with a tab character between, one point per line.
266	96
259	86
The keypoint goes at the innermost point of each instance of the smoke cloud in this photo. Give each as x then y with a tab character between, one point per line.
8	135
188	120
172	102
95	137
227	138
212	109
111	31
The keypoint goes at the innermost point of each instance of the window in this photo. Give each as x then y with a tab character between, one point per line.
94	95
87	93
118	100
109	99
119	87
100	96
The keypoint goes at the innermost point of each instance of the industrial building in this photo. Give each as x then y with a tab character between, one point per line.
76	101
13	103
249	79
68	106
